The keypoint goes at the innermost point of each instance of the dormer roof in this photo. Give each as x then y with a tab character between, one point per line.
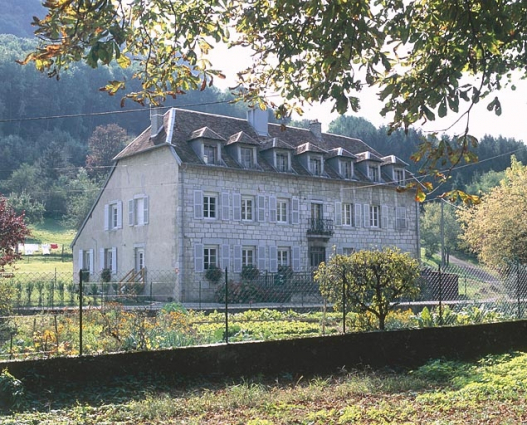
340	152
277	143
368	156
205	133
393	160
309	147
242	137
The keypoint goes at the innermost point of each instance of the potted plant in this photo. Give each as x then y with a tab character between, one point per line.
213	274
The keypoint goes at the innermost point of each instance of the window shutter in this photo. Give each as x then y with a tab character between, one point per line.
145	210
131	214
384	216
357	215
114	260
261	208
237	258
81	259
120	215
91	260
261	258
236	206
106	217
338	213
225	207
366	215
225	256
198	257
198	205
272	209
295	213
273	259
296	258
101	259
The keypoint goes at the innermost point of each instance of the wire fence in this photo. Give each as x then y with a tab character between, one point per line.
60	314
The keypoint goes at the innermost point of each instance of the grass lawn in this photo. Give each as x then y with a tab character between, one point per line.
490	391
61	260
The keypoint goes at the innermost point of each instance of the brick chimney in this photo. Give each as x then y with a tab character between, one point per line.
316	128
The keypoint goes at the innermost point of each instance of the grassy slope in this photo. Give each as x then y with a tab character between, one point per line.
491	391
50	231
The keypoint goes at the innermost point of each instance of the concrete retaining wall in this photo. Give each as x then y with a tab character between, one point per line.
300	356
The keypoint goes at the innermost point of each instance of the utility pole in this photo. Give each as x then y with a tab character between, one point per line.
442	233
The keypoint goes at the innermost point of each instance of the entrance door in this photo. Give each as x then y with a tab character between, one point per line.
139	259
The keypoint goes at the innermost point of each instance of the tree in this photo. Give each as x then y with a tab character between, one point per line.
372	281
13	231
32	209
496	228
105	142
430	228
415	53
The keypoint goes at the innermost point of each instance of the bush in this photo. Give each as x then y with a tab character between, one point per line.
213	274
239	292
249	273
12	394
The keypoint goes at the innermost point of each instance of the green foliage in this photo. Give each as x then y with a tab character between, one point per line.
369	281
213	274
430	228
249	273
12	392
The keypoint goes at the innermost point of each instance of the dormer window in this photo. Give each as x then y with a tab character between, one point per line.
398	176
373	173
346	169
315	165
282	161
210	154
247	157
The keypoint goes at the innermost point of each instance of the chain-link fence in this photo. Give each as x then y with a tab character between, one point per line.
152	310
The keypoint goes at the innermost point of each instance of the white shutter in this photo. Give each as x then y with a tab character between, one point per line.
145	210
198	206
384	216
81	259
119	214
338	213
272	209
296	258
91	260
366	215
131	219
358	215
295	213
236	206
273	259
106	217
225	207
237	258
114	260
101	259
261	208
198	257
225	256
261	258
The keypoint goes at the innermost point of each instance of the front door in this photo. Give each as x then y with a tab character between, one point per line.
139	259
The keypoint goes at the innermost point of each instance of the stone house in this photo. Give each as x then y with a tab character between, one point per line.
197	190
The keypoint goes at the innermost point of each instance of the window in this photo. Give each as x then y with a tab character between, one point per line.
346	169
108	259
316	211
282	162
86	260
281	211
209	206
138	211
398	176
373	173
247	208
210	154
315	166
347	214
400	219
210	257
374	215
113	215
139	259
248	257
347	251
246	157
282	255
317	255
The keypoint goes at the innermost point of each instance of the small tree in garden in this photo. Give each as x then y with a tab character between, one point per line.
13	231
369	281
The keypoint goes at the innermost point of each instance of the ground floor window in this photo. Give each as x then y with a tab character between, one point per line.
248	257
283	257
317	255
210	257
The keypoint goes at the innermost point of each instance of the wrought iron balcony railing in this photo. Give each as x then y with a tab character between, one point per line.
320	226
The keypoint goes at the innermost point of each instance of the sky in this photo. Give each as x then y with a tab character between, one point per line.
512	123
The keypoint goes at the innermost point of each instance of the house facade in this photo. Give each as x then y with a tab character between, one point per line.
199	190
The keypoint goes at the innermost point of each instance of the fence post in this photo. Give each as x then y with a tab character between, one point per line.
343	301
440	296
226	308
518	288
199	294
80	312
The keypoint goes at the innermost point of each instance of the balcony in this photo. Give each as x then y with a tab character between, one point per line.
320	228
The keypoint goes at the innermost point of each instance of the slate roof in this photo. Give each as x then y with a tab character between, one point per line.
189	125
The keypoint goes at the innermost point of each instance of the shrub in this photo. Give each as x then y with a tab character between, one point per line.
12	394
213	274
239	292
249	273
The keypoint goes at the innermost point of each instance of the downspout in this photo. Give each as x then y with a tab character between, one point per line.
182	256
417	231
